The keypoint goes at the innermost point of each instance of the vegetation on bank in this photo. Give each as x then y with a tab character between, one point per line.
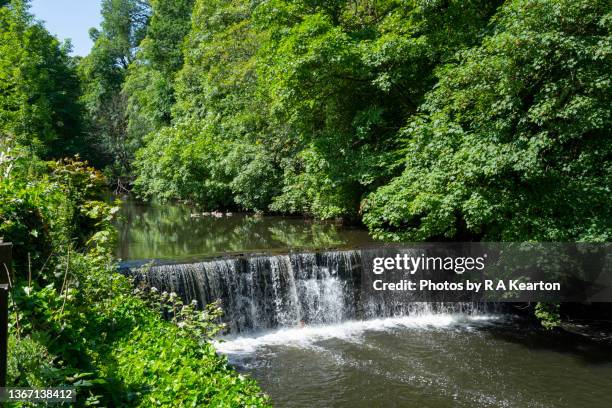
75	321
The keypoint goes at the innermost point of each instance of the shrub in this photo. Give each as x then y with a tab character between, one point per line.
77	321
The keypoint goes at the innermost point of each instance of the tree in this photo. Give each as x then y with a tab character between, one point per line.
149	85
124	25
345	76
217	103
103	73
514	142
39	88
310	95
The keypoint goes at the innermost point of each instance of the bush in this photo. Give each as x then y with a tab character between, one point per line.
77	321
181	162
29	364
548	314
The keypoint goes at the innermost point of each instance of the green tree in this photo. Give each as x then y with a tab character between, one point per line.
183	161
217	102
514	142
149	86
124	25
39	89
310	95
345	76
103	73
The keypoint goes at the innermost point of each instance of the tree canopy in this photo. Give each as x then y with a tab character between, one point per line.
428	120
103	73
425	120
305	98
514	142
39	88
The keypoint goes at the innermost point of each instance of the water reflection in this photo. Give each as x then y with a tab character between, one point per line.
170	231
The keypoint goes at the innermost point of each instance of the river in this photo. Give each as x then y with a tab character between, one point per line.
299	327
176	232
429	360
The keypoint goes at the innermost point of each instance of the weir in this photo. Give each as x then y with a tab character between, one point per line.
262	292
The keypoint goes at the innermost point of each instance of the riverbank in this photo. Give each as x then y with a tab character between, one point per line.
75	322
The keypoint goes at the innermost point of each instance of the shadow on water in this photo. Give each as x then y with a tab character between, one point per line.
530	336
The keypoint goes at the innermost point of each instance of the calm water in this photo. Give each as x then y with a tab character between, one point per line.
170	231
425	361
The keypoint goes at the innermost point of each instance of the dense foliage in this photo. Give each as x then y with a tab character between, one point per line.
102	74
75	321
149	83
429	120
39	88
300	102
128	78
514	142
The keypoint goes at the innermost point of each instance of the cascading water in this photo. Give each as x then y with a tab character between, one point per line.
358	348
265	292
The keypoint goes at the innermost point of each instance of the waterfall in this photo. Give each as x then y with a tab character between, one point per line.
262	292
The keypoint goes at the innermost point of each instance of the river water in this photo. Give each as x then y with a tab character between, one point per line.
301	329
428	360
176	232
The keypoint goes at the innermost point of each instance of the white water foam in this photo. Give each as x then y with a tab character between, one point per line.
349	331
